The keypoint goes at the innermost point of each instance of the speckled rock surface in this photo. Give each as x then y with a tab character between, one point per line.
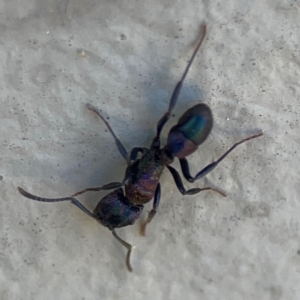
125	57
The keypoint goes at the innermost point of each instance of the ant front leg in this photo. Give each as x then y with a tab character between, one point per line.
153	211
185	165
109	186
192	191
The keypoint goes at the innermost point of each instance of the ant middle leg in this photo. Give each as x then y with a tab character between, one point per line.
153	211
120	146
192	191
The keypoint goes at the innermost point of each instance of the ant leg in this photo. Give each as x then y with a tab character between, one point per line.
120	146
185	166
127	246
192	191
73	201
153	211
109	186
161	123
84	209
134	153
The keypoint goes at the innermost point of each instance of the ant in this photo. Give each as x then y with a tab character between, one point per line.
141	182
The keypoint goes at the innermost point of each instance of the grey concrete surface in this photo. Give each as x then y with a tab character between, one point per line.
125	57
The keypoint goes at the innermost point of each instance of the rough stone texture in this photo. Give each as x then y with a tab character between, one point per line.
125	57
